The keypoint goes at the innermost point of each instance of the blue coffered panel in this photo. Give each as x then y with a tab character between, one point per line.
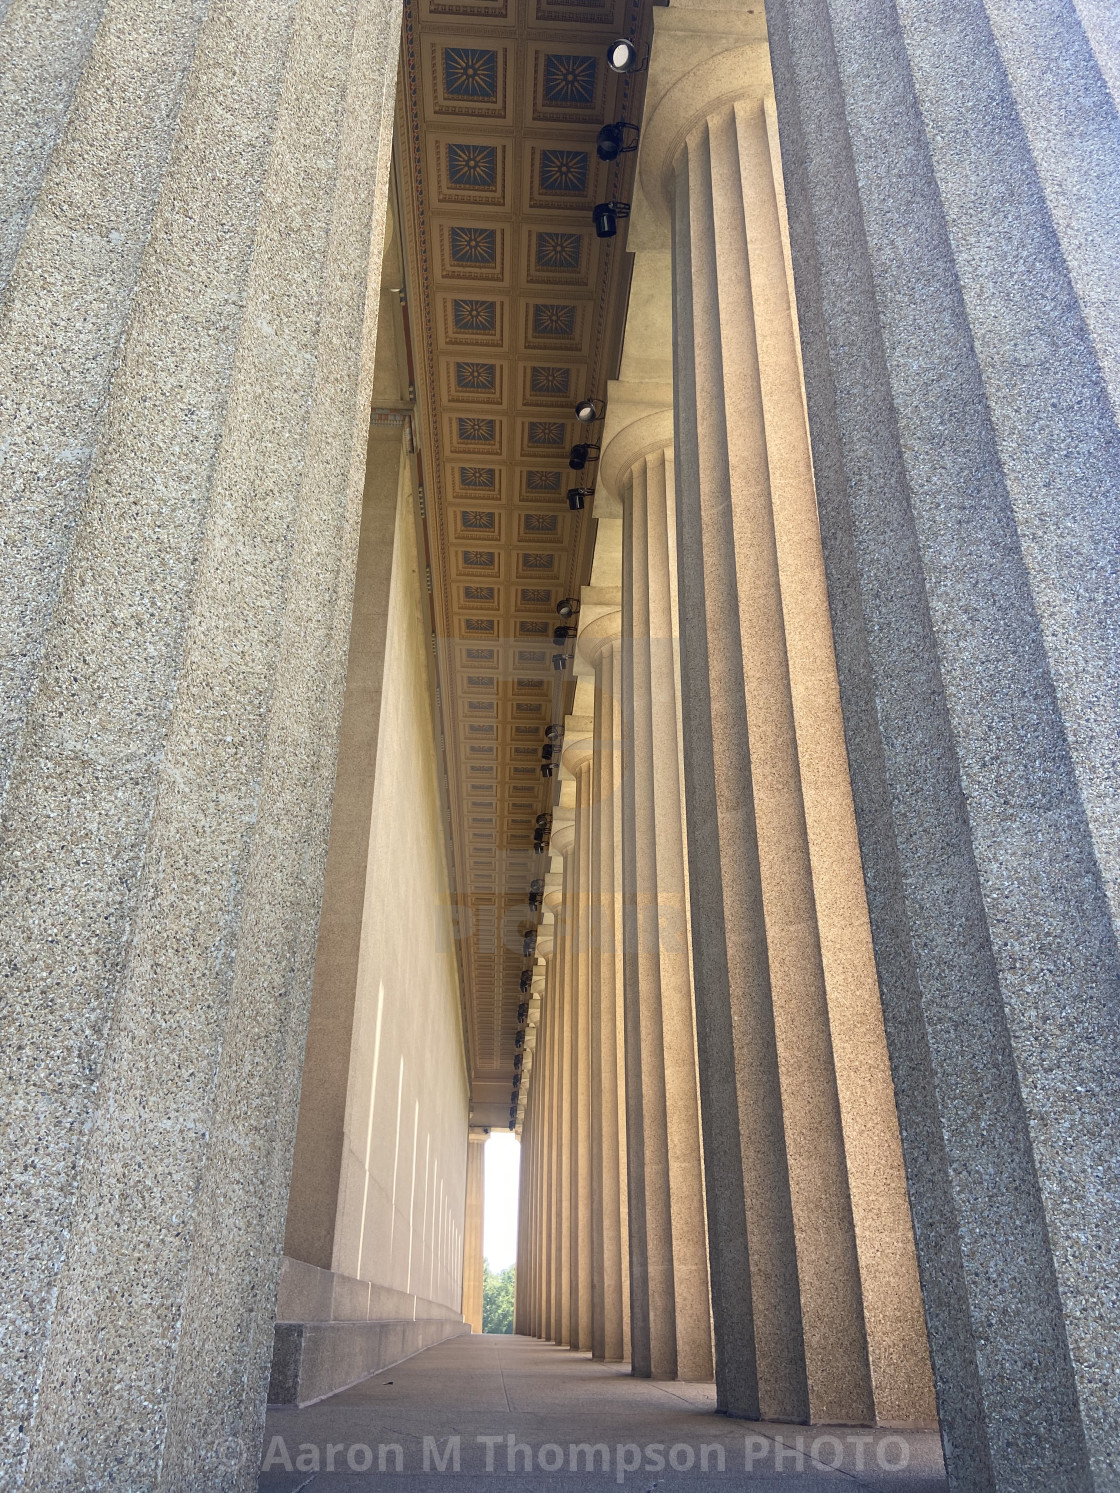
558	251
568	80
472	166
543	481
554	321
470	73
473	246
563	171
471	428
545	432
550	380
477	477
475	376
474	316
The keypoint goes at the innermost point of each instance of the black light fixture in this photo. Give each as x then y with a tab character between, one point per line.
554	733
517	1080
523	1015
577	498
560	635
559	661
622	57
612	140
544	821
529	948
546	769
568	607
526	981
517	1061
581	454
519	1039
589	410
605	216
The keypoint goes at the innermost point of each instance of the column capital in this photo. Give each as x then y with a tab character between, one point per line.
650	429
599	633
578	753
702	61
563	838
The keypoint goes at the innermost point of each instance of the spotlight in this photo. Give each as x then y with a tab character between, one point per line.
537	885
587	410
559	661
526	981
543	821
568	607
547	752
560	635
580	455
577	497
612	141
529	948
517	1080
519	1039
523	1016
513	1122
546	770
554	733
517	1061
605	216
622	57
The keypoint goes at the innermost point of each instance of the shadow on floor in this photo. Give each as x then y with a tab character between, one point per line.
489	1412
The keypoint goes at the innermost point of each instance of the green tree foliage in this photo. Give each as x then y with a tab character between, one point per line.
497	1298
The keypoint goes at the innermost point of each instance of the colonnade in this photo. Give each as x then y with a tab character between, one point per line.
741	977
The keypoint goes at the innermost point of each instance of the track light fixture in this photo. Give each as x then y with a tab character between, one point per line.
589	410
622	57
568	607
581	454
577	498
612	140
605	216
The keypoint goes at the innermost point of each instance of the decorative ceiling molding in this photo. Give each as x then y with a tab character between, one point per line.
515	312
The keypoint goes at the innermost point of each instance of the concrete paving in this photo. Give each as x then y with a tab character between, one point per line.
486	1412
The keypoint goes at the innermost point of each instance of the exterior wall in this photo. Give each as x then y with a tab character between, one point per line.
402	1185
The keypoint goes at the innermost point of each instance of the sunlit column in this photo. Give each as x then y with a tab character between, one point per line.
577	758
540	1015
563	845
671	1320
472	1227
791	1037
599	645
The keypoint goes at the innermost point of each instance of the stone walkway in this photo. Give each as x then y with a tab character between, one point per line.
482	1413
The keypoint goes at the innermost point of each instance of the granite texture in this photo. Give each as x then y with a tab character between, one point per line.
188	357
951	185
311	1360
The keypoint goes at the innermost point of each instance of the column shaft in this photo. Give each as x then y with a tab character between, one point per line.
472	1228
196	223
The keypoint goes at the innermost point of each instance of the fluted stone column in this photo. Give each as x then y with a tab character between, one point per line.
477	1137
953	178
577	759
562	844
194	202
791	1010
541	1014
600	646
671	1334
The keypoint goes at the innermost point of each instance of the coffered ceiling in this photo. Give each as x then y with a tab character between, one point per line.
515	310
